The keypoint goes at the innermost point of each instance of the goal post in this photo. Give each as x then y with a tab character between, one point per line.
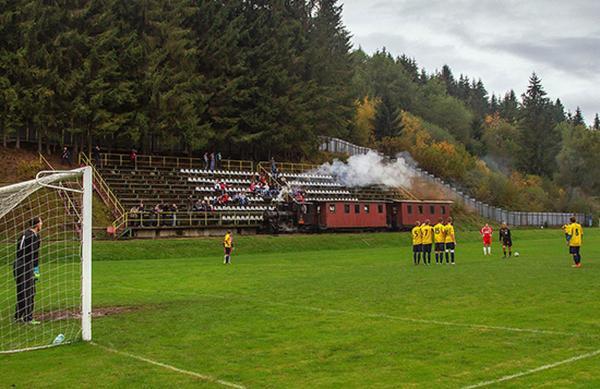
46	261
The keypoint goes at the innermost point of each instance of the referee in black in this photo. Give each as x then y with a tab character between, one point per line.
25	271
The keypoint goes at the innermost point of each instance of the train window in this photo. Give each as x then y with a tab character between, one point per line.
356	208
367	208
432	209
380	208
346	208
420	209
443	207
409	208
332	208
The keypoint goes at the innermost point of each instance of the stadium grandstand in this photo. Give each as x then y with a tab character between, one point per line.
160	196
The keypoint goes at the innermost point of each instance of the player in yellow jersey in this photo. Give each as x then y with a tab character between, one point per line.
439	238
228	246
417	243
449	241
427	240
575	231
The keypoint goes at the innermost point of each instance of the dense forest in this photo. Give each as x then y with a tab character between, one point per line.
260	78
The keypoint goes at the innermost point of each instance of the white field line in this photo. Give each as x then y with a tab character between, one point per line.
372	315
203	377
532	371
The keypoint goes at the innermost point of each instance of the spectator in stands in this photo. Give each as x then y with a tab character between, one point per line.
274	192
158	210
274	171
241	199
252	187
223	186
65	157
223	199
133	157
218	158
96	155
134	216
220	186
212	162
262	179
206	160
190	202
196	206
173	210
141	213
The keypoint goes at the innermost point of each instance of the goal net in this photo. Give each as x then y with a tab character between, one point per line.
45	261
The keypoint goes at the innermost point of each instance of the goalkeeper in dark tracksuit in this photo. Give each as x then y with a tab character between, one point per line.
26	271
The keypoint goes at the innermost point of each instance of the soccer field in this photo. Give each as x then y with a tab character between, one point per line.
347	310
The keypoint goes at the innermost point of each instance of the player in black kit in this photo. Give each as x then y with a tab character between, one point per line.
26	271
505	239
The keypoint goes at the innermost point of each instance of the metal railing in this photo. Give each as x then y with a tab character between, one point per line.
289	167
103	190
149	220
487	211
172	162
335	145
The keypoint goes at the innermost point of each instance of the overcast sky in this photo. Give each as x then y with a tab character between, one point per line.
501	42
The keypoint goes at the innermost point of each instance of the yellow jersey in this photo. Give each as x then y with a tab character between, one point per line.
427	234
576	232
416	236
227	241
449	233
439	233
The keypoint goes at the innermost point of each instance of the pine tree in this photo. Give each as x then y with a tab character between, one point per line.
578	118
330	66
539	138
410	66
494	104
448	79
387	120
509	107
464	88
596	125
559	109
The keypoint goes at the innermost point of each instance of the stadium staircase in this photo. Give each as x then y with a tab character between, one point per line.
71	203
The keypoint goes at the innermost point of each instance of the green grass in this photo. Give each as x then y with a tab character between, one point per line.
344	310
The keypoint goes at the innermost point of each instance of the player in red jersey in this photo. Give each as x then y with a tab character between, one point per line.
486	233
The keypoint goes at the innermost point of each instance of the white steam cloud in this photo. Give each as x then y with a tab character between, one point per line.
369	169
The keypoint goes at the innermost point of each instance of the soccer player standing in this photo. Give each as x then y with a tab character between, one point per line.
505	240
486	234
427	240
439	238
575	232
417	243
450	240
26	271
228	246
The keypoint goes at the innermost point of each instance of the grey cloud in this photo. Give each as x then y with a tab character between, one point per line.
501	41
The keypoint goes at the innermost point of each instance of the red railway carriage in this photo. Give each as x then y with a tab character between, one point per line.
352	215
405	213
